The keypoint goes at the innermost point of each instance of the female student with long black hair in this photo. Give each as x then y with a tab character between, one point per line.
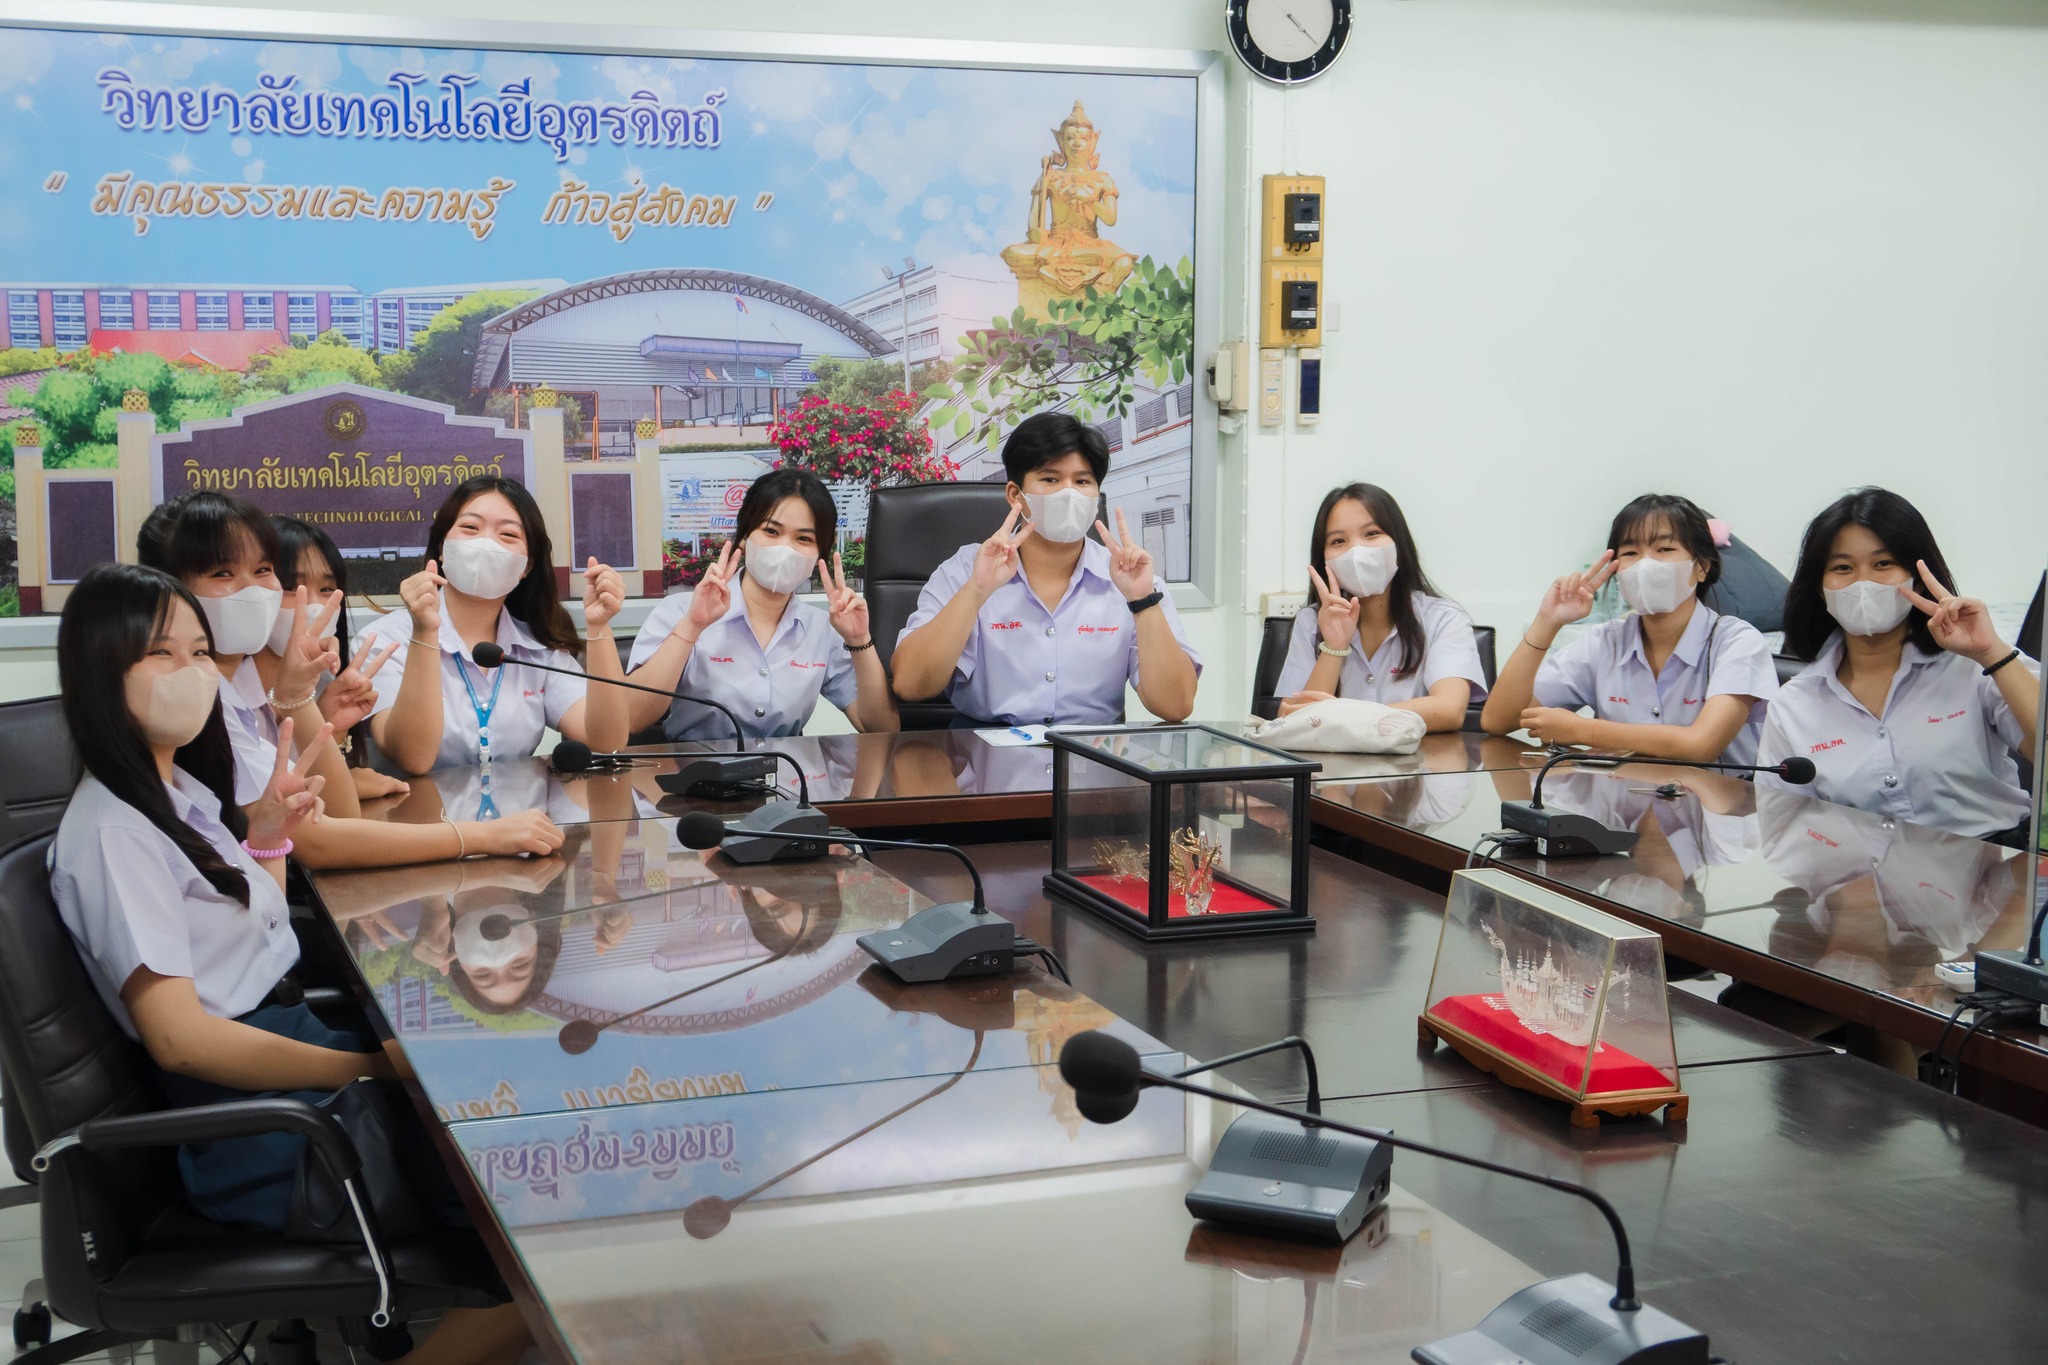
1672	679
1380	631
761	652
175	897
490	576
1911	704
225	553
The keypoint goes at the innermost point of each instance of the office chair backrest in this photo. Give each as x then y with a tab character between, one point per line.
38	765
1273	640
912	529
68	1061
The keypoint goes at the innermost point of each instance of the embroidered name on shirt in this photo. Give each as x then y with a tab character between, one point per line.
802	663
1006	625
1820	838
1953	715
1690	701
1619	701
1826	745
1098	630
717	660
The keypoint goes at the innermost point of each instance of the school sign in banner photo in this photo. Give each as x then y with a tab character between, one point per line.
335	278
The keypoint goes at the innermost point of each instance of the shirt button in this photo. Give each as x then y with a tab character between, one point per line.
764	672
1656	710
1880	732
760	710
1891	779
1049	630
273	921
1050	676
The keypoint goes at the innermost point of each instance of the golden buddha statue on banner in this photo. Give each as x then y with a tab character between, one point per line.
1062	254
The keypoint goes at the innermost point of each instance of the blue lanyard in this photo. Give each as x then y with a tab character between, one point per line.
483	711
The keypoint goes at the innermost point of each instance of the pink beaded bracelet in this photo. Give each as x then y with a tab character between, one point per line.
259	854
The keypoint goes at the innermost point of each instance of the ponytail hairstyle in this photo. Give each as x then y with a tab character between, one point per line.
534	603
109	621
1409	579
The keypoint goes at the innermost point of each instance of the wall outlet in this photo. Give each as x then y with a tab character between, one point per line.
1287	604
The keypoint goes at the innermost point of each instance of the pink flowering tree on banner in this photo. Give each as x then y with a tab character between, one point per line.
887	443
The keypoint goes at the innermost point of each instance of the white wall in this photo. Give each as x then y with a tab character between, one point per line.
1750	252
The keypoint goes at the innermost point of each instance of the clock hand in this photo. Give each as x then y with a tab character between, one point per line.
1297	23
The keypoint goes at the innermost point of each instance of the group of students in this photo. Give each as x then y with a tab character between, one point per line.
219	703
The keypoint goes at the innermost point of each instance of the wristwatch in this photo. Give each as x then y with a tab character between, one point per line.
1145	603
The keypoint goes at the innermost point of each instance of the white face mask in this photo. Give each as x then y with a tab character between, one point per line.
319	621
241	621
1063	517
1655	586
1365	570
779	568
472	949
1867	608
172	708
481	567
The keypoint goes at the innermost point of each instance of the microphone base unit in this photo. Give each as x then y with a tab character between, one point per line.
1569	1321
720	777
943	943
2007	969
1563	834
1280	1175
778	817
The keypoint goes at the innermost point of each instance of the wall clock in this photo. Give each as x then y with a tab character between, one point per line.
1288	41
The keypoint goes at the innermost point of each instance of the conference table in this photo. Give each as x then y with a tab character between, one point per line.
698	1123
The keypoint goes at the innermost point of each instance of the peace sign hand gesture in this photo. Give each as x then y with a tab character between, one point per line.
1960	625
307	653
846	609
351	697
1337	617
712	597
1570	598
1130	564
291	798
995	563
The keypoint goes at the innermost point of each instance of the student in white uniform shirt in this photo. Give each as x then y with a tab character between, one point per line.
490	576
1381	632
1672	679
1039	625
761	652
175	898
225	552
1912	704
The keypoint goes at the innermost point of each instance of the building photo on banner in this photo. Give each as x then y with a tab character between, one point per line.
336	280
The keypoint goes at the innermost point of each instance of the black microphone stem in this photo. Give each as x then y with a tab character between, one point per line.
1616	760
1625	1271
1308	1060
841	836
739	736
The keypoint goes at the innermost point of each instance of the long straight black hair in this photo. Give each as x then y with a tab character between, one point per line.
1899	526
1409	578
109	620
534	603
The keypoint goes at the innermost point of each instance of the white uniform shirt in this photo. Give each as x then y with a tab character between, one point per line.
252	731
773	691
528	700
1449	650
131	898
1024	665
1605	668
1941	755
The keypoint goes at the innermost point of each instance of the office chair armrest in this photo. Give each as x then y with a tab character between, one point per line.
210	1122
330	997
244	1118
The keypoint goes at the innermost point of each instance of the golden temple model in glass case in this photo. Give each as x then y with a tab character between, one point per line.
1555	997
1180	831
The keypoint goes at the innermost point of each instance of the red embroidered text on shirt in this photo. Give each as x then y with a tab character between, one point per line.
1006	625
1936	720
1820	838
806	663
1690	701
1099	630
1826	745
717	660
1619	701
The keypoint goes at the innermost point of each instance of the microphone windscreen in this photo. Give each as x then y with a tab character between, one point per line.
1102	1106
495	927
487	654
1096	1062
570	756
1797	771
700	829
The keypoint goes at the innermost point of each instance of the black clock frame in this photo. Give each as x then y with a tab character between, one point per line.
1287	73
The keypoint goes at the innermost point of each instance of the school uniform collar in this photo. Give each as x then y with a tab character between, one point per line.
792	615
190	797
1827	666
513	637
1692	642
1094	562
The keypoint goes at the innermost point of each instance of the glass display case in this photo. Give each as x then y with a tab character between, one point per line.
1552	996
1180	831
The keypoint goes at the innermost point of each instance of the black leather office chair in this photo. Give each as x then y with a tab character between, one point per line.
38	766
912	529
123	1256
1788	667
1482	636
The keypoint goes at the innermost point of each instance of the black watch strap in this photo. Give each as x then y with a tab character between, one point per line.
1145	603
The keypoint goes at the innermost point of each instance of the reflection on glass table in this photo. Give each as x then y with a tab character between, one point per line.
983	1220
1454	752
629	970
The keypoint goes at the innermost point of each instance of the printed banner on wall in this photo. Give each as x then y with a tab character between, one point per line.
714	266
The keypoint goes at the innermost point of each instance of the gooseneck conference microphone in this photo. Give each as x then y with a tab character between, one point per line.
716	777
938	943
1566	834
1571	1320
